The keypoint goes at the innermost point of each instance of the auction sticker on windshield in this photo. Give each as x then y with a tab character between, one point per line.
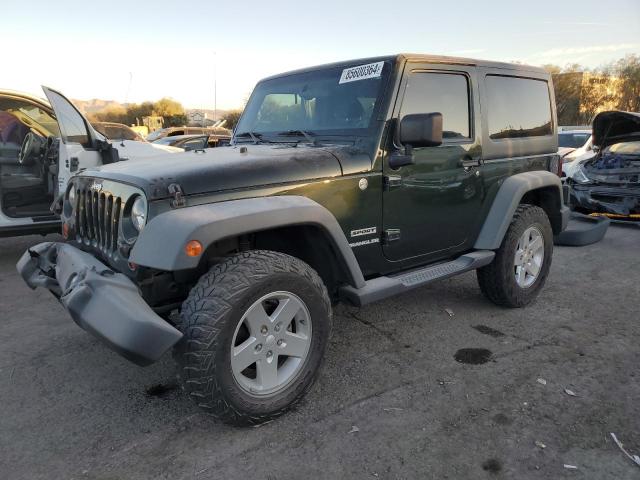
361	72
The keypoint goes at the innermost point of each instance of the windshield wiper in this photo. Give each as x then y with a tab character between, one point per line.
297	133
256	137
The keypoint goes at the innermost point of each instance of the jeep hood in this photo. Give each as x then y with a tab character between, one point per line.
223	168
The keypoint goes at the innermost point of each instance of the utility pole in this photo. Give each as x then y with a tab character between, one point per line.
215	87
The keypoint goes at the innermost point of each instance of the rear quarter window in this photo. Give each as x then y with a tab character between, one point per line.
517	107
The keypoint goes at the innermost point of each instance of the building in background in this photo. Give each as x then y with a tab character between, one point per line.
201	118
580	96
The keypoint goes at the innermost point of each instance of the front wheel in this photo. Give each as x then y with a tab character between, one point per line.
255	327
521	266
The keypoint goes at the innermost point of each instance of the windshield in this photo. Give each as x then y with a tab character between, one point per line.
117	132
29	115
163	140
157	134
573	139
332	101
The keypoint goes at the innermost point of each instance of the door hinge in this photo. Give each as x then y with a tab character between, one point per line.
390	235
178	195
73	164
392	181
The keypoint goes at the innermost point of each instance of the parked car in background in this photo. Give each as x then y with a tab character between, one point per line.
192	142
29	135
131	144
608	183
218	132
573	144
117	131
37	158
570	141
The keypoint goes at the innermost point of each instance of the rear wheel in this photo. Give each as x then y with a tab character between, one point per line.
522	262
255	330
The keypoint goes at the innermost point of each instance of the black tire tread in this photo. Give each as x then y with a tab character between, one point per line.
208	302
494	279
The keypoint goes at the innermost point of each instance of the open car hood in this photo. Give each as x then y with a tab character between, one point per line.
615	126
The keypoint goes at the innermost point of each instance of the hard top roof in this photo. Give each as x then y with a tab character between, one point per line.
416	57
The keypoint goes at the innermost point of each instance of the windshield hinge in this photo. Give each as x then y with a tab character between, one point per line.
178	195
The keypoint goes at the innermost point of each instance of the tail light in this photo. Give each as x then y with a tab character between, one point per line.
555	165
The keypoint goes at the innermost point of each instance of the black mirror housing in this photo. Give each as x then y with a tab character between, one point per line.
107	152
421	129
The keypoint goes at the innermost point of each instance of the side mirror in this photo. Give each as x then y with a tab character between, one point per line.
421	130
108	153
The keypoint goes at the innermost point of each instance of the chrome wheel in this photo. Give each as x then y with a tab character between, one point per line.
529	257
270	343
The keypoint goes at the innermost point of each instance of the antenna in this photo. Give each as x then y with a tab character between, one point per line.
126	97
215	86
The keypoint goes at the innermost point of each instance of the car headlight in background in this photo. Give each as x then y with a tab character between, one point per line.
139	213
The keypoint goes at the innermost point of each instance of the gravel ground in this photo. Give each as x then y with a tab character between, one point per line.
71	408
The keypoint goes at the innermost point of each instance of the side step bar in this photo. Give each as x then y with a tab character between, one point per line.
383	287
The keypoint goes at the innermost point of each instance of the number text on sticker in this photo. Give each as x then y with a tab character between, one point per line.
361	72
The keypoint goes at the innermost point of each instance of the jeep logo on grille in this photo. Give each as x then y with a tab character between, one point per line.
96	187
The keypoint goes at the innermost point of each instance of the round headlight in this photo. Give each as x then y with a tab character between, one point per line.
139	213
71	198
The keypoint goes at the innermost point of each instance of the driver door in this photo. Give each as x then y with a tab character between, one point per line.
431	207
78	141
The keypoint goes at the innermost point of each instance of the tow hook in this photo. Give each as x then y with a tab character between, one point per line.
178	195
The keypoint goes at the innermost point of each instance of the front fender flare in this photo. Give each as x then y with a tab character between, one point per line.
507	200
161	243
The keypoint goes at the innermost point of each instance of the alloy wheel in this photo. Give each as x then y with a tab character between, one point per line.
271	343
529	257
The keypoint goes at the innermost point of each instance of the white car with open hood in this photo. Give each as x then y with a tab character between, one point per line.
42	145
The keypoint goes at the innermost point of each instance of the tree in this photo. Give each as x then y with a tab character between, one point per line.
113	113
627	70
172	112
231	117
136	111
166	107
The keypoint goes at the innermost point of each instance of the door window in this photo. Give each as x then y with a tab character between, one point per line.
447	93
72	126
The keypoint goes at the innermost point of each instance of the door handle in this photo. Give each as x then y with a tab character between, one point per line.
468	162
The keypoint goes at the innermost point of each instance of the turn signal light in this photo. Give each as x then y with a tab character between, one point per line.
65	231
193	248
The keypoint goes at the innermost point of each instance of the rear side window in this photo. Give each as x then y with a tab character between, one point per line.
447	93
517	107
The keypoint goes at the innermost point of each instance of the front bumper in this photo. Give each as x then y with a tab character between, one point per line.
616	203
101	301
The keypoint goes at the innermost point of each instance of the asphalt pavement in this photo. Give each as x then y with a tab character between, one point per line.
395	400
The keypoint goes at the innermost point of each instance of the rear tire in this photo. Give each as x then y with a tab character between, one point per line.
242	359
521	266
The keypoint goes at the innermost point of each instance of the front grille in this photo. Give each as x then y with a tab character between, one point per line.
98	218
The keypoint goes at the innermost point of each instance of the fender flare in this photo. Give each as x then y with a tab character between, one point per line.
507	200
161	243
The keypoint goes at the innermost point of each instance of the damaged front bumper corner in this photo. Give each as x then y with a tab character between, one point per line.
101	301
615	203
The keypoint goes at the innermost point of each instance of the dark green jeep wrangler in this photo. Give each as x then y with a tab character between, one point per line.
346	182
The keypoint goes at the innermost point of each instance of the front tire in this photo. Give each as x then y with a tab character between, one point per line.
256	327
521	266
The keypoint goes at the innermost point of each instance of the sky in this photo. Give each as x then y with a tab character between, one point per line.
131	51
